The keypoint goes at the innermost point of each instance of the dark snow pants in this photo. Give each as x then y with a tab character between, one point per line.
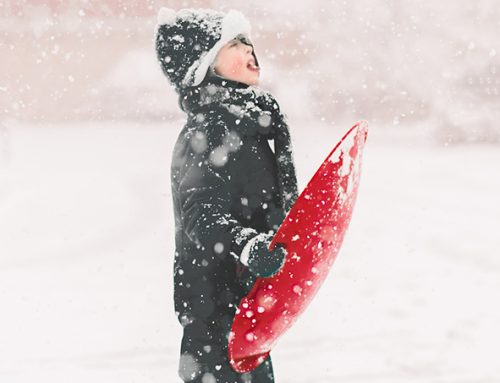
205	361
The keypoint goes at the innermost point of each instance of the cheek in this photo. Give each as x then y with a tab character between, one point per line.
237	64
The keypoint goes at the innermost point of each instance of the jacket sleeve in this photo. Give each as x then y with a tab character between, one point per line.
206	194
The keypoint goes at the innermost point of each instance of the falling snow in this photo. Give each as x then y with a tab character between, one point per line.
86	219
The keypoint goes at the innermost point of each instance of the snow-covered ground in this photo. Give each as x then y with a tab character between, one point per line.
86	255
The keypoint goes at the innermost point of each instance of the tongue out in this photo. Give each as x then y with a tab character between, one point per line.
251	66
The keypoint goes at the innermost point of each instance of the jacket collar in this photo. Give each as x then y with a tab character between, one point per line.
213	89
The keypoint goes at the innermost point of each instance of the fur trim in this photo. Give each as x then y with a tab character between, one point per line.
233	24
166	16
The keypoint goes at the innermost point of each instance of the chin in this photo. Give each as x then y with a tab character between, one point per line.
249	80
253	81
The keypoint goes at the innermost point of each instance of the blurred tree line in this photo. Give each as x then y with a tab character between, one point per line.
423	64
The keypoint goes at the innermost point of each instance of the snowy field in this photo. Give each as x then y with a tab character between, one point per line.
87	244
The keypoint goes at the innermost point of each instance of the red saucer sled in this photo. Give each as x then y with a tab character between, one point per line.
312	233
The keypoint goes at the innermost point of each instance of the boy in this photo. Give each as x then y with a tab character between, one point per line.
230	191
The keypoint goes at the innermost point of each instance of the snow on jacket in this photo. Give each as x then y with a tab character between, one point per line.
225	191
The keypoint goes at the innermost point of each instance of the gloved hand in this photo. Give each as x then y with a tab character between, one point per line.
262	262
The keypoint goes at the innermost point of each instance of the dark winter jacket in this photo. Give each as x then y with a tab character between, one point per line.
225	191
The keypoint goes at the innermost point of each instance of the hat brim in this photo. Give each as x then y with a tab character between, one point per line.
233	24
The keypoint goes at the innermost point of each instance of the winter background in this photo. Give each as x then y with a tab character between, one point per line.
87	126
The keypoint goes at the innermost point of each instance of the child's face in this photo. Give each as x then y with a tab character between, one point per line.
235	61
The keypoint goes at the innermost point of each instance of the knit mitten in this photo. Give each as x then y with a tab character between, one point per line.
260	261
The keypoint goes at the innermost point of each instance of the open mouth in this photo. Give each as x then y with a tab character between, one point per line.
251	66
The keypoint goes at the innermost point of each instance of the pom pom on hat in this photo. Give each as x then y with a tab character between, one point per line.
166	16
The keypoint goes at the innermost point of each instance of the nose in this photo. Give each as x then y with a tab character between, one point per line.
248	48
